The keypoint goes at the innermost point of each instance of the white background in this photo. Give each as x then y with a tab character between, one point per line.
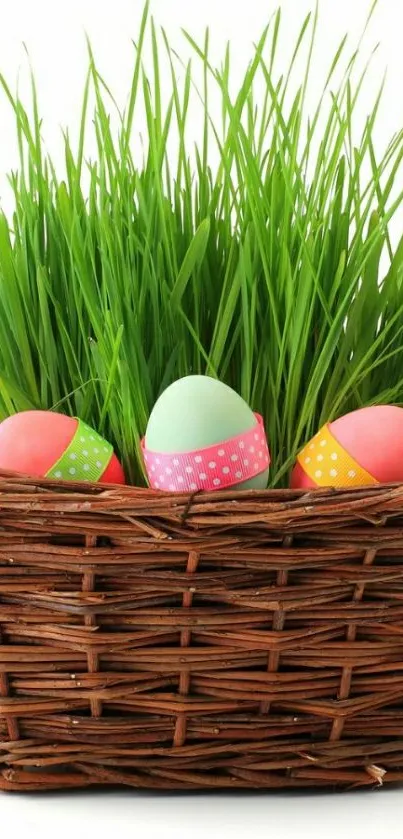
54	36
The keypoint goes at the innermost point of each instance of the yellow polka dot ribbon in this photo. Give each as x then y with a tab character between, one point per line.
85	459
327	463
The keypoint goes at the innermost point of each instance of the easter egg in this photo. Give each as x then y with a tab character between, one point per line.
202	435
362	448
45	444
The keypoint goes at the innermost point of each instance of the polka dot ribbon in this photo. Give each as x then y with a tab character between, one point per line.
216	467
327	463
85	459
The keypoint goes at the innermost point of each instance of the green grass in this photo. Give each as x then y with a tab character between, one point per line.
264	270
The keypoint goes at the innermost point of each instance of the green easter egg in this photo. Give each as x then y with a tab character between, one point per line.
196	412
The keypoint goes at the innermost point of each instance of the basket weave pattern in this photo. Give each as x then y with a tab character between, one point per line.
228	640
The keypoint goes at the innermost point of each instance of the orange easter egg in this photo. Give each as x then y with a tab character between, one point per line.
362	448
46	444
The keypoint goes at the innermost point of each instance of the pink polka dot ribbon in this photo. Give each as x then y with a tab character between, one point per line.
215	467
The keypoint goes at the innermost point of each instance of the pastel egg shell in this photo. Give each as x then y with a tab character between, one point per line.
196	412
374	438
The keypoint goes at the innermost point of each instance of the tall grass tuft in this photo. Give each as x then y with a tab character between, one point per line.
117	278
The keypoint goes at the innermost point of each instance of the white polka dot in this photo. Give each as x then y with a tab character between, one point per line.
323	443
256	466
252	449
58	474
180	479
242	445
189	470
202	476
85	452
72	471
172	487
153	468
162	479
212	464
234	458
92	437
226	470
73	456
105	449
238	474
246	462
82	439
221	452
96	451
319	457
311	446
307	460
260	455
175	461
352	473
318	474
216	482
168	471
157	460
198	459
157	486
145	456
256	436
333	473
193	486
86	467
333	456
98	464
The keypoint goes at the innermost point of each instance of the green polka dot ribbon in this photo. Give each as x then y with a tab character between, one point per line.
85	459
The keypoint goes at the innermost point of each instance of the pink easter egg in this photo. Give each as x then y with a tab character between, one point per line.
373	437
33	443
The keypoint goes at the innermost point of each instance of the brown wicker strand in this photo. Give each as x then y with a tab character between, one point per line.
277	625
11	722
88	585
185	640
351	633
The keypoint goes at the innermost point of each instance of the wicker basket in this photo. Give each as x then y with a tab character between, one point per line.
221	641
